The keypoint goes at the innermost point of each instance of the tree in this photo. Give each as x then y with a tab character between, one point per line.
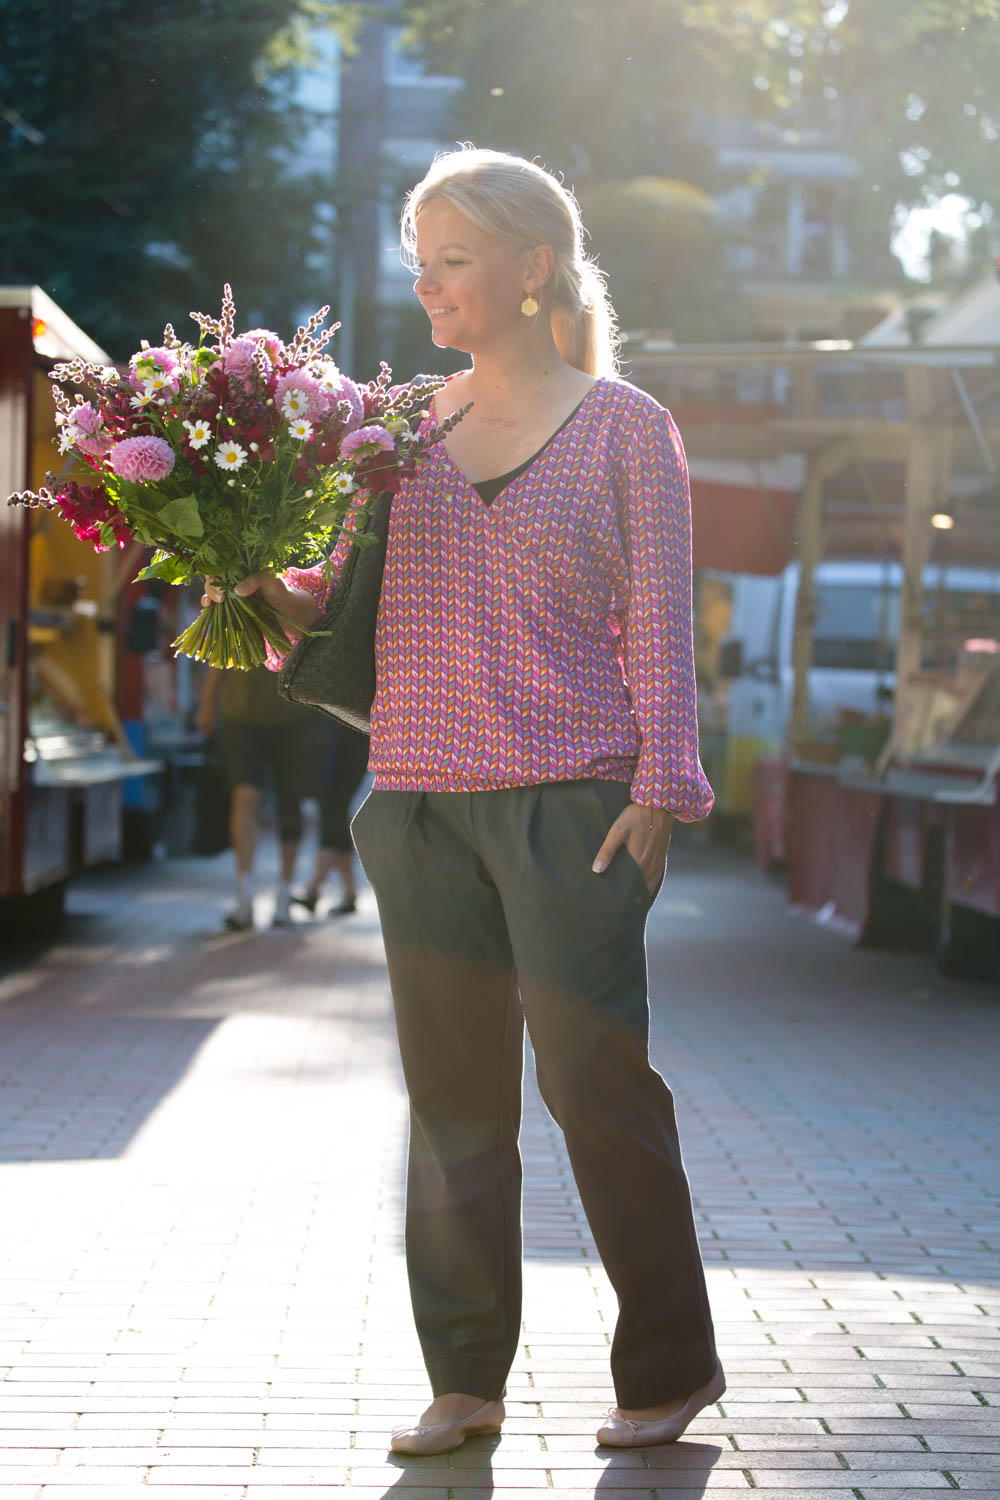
604	95
613	93
909	85
149	158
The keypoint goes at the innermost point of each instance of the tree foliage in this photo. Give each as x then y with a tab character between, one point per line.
611	93
146	160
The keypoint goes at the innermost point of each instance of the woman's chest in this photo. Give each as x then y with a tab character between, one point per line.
554	529
482	448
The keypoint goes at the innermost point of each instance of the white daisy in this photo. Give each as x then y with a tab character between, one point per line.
143	397
301	429
230	456
199	433
67	437
294	403
344	484
327	374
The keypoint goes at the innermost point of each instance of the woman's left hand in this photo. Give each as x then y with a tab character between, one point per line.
645	833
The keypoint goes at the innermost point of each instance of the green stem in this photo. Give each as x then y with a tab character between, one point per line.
236	633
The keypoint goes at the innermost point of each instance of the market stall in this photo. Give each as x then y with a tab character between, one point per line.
882	803
65	759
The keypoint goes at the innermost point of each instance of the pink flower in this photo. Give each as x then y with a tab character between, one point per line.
238	358
142	460
313	399
338	389
89	433
270	340
165	361
374	439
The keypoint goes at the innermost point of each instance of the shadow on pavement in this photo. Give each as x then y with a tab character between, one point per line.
90	1089
689	1465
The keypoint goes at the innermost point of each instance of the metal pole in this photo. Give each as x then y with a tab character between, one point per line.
928	472
811	546
974	422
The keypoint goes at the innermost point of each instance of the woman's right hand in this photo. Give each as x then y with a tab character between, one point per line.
269	585
295	605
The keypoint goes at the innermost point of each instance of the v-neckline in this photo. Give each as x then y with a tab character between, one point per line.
564	426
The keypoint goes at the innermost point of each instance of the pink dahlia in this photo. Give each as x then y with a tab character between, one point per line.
270	340
142	460
338	389
313	397
142	365
238	358
372	439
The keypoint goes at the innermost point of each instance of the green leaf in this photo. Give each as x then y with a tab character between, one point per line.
181	515
168	567
326	515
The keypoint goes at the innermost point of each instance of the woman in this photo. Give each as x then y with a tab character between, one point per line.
533	739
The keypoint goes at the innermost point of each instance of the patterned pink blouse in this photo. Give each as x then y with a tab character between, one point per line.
545	637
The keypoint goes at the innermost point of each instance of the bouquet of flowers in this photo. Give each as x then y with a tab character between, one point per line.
231	456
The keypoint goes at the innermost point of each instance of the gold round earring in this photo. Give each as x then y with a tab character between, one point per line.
530	305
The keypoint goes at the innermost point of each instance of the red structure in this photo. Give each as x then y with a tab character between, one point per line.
63	753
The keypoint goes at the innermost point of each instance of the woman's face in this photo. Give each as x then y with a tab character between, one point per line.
470	285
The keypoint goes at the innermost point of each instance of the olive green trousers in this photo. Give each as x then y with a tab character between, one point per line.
493	918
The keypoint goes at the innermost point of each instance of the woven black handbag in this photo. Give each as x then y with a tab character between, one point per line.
335	672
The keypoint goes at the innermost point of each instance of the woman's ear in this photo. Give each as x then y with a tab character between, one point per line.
542	263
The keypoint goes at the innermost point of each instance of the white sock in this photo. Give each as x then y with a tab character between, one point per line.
245	886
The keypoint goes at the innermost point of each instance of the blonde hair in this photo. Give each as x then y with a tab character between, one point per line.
519	202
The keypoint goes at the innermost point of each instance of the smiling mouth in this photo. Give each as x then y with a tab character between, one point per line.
439	312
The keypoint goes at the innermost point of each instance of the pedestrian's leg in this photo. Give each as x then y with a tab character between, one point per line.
244	818
293	762
350	761
246	771
461	1041
343	863
578	942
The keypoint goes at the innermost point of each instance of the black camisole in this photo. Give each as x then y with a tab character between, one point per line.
489	489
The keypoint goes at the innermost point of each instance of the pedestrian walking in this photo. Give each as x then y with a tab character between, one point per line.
345	760
534	737
263	740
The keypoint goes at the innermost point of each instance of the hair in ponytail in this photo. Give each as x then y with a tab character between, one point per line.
518	201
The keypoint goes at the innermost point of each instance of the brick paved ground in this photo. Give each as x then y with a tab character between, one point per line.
201	1285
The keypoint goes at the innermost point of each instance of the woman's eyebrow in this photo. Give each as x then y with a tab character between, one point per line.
453	245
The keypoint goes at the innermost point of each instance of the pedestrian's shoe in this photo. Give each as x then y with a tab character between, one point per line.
445	1436
628	1432
307	899
346	907
282	910
241	916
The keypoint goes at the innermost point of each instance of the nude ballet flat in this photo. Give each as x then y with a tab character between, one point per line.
445	1436
628	1432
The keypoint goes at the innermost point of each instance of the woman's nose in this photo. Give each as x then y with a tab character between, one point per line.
424	283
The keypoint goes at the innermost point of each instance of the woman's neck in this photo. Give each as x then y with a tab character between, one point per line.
517	371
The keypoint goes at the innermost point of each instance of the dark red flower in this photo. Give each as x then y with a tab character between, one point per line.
86	507
388	478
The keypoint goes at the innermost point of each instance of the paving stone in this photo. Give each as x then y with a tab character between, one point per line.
204	1292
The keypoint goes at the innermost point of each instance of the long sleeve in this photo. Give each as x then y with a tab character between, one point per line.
658	656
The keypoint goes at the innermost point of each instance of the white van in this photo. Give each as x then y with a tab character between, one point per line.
854	649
